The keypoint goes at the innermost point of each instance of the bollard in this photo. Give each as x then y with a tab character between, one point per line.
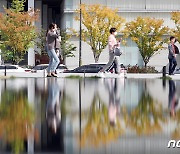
5	70
164	71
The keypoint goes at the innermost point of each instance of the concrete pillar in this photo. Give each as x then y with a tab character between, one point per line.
3	4
31	53
0	58
31	100
38	5
50	16
45	17
38	23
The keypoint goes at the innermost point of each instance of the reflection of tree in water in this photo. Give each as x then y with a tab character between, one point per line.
17	118
98	129
176	132
147	117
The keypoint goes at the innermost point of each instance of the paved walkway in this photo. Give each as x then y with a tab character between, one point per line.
108	75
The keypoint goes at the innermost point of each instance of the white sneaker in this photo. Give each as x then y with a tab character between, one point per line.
106	72
101	74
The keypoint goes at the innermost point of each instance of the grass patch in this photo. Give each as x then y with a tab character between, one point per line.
12	77
166	78
74	77
7	77
94	77
81	77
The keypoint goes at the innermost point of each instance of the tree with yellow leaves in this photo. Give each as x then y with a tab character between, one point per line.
147	117
175	16
17	31
17	118
147	33
97	21
98	130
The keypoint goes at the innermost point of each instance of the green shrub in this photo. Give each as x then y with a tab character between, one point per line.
138	69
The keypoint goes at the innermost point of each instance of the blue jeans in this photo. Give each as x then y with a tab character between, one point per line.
172	65
53	61
53	94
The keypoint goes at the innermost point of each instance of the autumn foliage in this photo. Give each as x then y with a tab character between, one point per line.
175	16
98	130
97	20
17	118
17	31
147	33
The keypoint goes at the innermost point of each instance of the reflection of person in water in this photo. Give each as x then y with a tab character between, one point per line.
53	113
114	99
173	101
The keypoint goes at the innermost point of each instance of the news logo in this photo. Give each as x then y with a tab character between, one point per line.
173	144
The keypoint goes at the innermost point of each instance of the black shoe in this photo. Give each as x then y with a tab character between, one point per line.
49	76
54	75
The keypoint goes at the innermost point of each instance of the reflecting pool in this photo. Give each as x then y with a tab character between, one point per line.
79	116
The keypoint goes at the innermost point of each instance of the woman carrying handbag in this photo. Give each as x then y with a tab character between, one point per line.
114	51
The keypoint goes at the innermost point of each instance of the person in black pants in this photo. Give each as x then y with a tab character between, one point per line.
173	101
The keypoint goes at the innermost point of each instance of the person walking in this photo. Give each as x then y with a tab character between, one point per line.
58	40
50	44
172	55
112	44
57	43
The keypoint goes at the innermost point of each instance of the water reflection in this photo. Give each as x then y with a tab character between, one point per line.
173	101
17	119
88	115
114	99
53	112
103	124
147	117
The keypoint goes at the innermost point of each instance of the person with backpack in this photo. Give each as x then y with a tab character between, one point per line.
173	51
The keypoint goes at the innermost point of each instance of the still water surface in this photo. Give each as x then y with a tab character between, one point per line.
79	116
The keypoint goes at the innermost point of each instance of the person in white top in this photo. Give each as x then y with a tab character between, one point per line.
112	44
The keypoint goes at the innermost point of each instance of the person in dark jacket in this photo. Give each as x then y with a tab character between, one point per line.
50	44
57	43
172	55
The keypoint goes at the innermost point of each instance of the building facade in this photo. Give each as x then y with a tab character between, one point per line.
128	9
63	12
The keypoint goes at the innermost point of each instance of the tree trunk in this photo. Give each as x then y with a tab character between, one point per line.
145	64
96	57
63	60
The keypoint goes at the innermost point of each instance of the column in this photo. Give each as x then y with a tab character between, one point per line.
45	17
31	53
3	4
0	58
31	100
38	23
50	16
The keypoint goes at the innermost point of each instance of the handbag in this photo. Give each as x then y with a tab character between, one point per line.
117	52
176	49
